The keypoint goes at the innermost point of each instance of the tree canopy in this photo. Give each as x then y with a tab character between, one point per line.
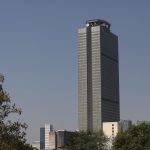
137	137
87	141
12	133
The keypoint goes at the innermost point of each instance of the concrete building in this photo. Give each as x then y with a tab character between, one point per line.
44	137
36	144
124	125
62	139
110	129
98	75
138	122
52	140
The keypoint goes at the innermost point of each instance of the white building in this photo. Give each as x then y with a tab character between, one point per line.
36	144
110	129
52	140
44	137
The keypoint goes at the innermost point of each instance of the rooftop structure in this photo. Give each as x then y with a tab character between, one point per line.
97	22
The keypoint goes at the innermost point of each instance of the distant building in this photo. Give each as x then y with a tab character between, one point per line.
0	87
141	121
44	137
1	81
36	144
124	125
62	139
98	75
52	140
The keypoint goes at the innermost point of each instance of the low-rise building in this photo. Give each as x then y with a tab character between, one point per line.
111	129
141	121
63	138
36	144
124	125
52	140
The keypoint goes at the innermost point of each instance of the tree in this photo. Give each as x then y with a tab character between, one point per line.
87	141
137	137
12	133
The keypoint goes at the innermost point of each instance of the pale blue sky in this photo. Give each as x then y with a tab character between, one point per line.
38	56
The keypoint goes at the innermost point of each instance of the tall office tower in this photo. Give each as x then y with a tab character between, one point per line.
98	75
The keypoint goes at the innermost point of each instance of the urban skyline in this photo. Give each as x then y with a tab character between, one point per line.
39	57
98	75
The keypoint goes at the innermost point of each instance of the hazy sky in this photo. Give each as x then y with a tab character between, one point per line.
38	56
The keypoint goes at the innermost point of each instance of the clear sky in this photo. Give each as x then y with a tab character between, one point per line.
38	56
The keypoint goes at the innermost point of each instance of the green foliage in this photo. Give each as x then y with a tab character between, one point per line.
87	141
12	134
137	137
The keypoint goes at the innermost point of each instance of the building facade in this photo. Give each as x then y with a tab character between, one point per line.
124	125
52	140
36	144
98	75
111	129
138	122
62	139
44	137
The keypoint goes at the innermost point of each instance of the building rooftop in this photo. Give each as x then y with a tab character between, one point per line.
98	22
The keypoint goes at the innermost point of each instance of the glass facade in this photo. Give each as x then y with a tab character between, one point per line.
98	76
44	137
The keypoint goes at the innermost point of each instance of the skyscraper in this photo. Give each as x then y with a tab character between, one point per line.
98	75
44	137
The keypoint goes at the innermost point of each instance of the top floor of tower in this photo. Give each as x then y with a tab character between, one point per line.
98	22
